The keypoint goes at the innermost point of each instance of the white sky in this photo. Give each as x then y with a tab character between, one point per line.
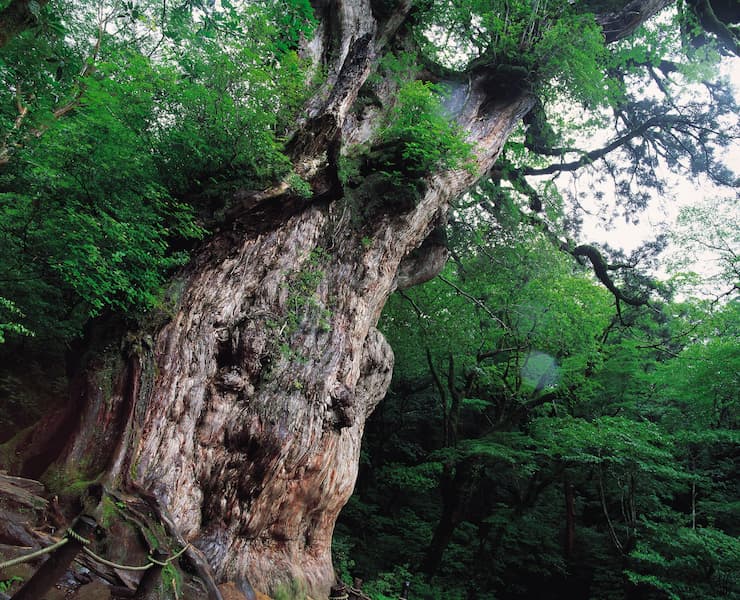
665	210
662	212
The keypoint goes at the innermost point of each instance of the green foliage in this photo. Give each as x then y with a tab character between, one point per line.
619	447
172	579
704	395
707	233
108	125
415	139
90	208
686	563
8	324
427	139
108	511
517	397
6	584
654	75
389	585
230	108
415	478
69	482
298	185
574	71
397	68
341	549
532	41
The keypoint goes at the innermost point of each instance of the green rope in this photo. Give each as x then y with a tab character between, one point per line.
109	563
170	559
150	564
32	555
77	537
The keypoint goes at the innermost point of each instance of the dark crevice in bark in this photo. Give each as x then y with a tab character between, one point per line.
62	429
251	217
18	16
48	439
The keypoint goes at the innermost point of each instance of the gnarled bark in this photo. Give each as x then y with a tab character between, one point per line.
243	414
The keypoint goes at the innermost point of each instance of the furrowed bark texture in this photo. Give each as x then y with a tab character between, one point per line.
249	430
250	435
243	414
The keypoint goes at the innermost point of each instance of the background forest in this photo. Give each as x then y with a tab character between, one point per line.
562	422
556	430
536	445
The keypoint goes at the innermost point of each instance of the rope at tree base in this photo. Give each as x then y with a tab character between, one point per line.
113	565
150	564
26	557
71	534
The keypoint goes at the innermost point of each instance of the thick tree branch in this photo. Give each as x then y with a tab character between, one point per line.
620	24
601	270
516	176
393	23
599	265
712	23
481	356
661	121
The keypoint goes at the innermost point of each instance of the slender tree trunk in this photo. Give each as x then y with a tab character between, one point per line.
452	509
441	539
461	500
570	517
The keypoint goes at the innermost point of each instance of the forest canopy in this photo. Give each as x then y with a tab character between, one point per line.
116	116
534	444
125	122
128	125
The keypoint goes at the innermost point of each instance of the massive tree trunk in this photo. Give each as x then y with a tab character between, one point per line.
243	413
